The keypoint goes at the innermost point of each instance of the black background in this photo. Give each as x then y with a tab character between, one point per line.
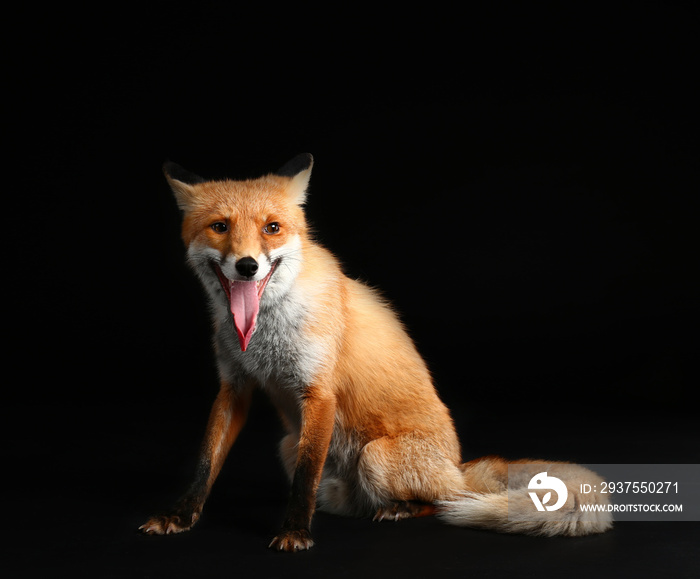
521	184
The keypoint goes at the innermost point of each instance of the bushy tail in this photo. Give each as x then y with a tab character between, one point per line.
500	498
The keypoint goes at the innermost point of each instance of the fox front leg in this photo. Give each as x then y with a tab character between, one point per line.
318	416
227	416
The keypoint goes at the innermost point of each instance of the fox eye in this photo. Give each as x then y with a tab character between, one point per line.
272	228
219	227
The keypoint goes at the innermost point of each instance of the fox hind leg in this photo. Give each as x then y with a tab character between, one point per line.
393	478
403	475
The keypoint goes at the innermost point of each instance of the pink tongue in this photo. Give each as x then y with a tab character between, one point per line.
244	307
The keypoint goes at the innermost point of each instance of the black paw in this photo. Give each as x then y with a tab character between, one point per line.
397	510
176	522
291	541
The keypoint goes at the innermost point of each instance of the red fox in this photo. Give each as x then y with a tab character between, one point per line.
367	434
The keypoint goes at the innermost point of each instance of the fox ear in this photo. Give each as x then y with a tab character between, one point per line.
181	182
299	171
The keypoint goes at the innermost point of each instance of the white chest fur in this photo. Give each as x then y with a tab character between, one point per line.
281	354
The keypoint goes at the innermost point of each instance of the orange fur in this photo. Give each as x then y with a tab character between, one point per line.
366	430
226	419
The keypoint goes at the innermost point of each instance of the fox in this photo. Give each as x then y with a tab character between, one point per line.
366	433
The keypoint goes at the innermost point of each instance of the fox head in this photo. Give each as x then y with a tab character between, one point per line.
244	238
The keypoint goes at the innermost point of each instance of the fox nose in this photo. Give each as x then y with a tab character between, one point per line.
247	266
